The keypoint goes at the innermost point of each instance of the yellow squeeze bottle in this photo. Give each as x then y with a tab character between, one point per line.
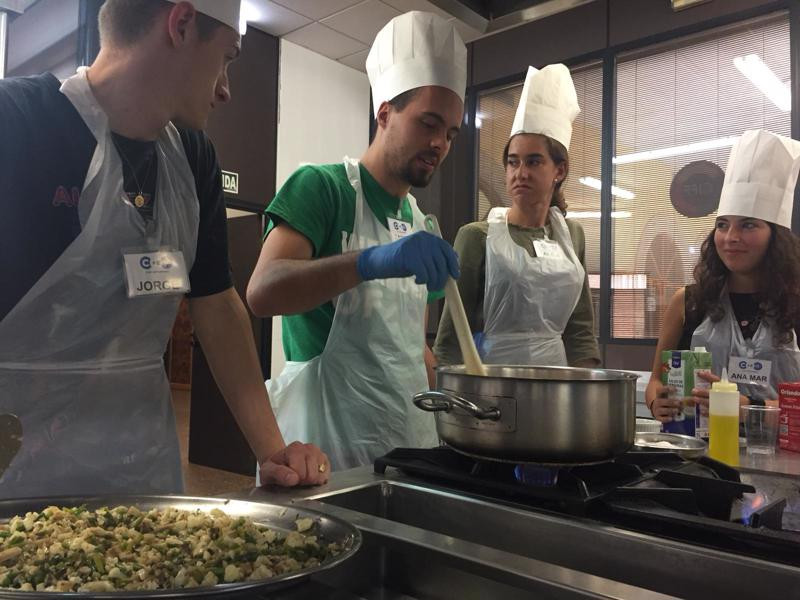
723	425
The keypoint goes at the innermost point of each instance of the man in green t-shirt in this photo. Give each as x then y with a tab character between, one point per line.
346	259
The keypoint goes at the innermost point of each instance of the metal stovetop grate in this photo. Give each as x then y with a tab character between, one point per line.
653	492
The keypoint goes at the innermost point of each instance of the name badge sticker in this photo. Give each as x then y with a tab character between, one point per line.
399	229
155	273
754	371
547	249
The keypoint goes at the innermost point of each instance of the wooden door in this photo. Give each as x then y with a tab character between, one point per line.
215	439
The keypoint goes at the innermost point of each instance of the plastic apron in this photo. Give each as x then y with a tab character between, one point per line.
354	399
528	300
724	339
80	363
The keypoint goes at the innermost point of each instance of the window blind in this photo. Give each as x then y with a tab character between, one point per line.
494	118
680	102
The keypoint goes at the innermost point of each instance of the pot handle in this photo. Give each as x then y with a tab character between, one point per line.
433	401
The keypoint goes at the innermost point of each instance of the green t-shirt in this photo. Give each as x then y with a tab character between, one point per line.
319	202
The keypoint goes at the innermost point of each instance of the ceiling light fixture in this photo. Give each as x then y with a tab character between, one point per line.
249	13
616	191
589	214
622	281
764	78
675	150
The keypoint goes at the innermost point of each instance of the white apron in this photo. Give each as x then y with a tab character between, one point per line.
724	339
528	300
80	363
354	399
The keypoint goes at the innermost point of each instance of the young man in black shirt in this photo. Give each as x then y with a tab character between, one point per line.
112	202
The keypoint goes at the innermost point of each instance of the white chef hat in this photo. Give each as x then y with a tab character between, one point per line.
413	50
224	11
548	104
760	178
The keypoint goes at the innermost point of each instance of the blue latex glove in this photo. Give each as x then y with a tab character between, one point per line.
480	340
427	257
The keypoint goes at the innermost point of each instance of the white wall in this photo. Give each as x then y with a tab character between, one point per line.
323	115
39	28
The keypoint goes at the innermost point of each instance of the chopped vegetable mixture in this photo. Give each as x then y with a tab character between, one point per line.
124	548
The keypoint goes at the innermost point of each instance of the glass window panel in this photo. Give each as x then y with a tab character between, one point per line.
495	115
692	93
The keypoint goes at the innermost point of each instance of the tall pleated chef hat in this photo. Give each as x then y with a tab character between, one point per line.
224	11
760	177
413	50
548	104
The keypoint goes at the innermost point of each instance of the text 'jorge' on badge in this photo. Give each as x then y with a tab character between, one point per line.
155	273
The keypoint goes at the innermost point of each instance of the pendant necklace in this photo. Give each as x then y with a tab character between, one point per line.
139	200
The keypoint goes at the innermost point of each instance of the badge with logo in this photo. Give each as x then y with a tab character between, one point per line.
399	229
155	273
749	370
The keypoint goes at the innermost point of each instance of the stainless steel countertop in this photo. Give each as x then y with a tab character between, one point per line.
423	540
430	563
783	462
775	477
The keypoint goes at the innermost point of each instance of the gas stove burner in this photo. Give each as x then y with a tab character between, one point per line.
536	475
704	487
519	460
654	492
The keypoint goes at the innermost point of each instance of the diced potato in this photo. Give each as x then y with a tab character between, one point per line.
97	586
261	572
232	574
210	579
10	555
304	524
295	540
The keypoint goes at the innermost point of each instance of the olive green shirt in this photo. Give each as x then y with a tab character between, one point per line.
470	243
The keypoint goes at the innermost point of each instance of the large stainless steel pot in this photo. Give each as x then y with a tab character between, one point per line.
545	415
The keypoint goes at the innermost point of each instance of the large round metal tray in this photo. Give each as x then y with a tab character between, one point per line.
684	445
280	518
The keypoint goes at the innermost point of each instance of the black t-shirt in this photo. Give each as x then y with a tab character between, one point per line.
139	172
745	310
45	151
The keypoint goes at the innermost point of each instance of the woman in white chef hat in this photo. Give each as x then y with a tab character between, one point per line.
744	306
523	280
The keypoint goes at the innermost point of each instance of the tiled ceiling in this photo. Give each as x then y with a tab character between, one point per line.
339	29
16	5
325	41
362	21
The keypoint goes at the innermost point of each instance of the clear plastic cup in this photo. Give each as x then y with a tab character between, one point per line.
761	428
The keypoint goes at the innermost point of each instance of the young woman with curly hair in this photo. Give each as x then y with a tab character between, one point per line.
745	303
